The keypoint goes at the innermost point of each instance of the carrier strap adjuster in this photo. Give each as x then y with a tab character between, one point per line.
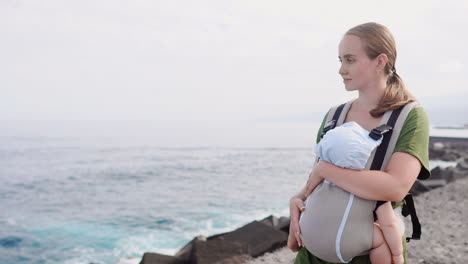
379	131
409	209
328	126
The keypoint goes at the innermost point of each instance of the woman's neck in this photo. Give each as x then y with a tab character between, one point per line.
369	98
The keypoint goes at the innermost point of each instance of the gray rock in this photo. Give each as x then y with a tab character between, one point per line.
270	221
259	237
418	188
283	224
462	164
212	251
185	253
240	259
155	258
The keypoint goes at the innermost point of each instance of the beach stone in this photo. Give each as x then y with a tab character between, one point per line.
259	237
212	251
446	174
436	154
418	188
270	221
450	155
462	164
240	259
155	258
283	224
438	145
432	184
185	253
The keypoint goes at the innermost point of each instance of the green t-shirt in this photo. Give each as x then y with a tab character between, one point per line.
414	140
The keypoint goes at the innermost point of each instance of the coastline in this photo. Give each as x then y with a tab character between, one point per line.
439	203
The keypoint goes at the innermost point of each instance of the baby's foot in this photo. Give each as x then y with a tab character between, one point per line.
398	259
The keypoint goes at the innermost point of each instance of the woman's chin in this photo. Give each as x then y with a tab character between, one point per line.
349	88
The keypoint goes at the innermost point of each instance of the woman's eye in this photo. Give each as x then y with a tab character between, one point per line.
350	60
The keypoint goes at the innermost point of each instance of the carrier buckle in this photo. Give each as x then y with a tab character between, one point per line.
379	131
328	126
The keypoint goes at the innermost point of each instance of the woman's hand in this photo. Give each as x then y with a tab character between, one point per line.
296	206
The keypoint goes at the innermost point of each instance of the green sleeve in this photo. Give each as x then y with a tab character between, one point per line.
319	132
414	139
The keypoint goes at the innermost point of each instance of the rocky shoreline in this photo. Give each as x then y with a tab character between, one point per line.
440	210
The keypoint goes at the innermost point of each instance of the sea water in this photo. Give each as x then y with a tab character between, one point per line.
65	200
70	200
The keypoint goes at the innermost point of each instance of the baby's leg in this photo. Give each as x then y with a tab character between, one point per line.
380	253
391	231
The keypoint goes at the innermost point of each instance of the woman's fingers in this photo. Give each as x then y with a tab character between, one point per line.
294	239
292	243
298	238
300	204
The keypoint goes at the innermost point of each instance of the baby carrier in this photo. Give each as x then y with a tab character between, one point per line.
337	225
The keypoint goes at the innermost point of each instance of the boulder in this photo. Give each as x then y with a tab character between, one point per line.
239	259
212	251
462	164
270	221
155	258
432	184
418	188
259	237
436	154
451	155
185	253
283	224
442	174
438	145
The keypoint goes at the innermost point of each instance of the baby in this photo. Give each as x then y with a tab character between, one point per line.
350	146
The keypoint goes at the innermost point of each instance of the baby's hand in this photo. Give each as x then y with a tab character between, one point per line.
398	259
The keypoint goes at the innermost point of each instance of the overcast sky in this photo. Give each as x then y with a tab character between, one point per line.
212	60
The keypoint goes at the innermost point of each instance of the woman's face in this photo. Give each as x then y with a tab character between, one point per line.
357	69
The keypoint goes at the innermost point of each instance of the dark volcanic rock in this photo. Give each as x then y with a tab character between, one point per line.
281	223
270	221
240	259
418	188
185	253
212	251
155	258
259	237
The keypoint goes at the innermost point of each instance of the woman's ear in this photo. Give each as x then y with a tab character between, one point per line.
382	60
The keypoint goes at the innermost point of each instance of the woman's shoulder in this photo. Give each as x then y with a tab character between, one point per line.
417	118
414	138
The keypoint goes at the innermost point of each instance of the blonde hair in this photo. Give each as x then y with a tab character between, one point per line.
377	39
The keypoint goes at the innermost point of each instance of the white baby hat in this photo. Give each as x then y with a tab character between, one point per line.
347	146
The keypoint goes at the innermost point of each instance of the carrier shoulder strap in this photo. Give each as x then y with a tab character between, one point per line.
381	156
334	115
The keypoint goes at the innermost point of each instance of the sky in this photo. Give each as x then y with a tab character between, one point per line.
211	67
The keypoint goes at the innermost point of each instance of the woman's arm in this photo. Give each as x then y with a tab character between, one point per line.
296	206
389	185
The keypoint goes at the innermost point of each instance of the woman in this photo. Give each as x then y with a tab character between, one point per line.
367	54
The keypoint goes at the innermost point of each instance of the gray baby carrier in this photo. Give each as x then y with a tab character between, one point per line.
336	225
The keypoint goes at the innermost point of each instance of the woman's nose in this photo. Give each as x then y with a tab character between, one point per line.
342	70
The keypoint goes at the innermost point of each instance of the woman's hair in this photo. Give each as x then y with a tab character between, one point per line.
377	40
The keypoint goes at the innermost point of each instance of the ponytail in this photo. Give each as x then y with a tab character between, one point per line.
395	96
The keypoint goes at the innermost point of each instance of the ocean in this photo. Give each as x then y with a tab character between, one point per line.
71	200
65	200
